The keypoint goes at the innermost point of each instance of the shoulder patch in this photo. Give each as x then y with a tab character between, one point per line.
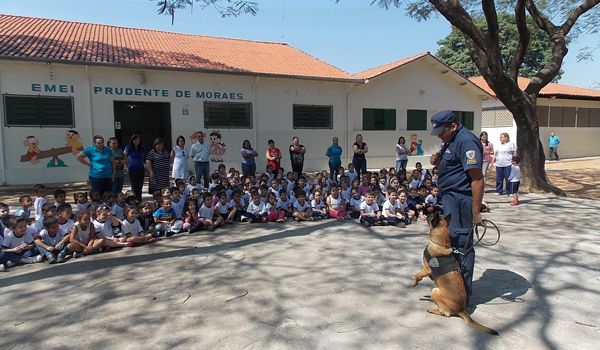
470	154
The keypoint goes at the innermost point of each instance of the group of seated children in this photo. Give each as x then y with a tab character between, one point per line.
103	222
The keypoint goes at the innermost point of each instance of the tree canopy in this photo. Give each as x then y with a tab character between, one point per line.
454	50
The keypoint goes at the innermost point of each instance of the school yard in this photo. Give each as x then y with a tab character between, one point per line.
321	285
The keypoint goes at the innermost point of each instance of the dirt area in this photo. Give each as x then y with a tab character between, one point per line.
579	178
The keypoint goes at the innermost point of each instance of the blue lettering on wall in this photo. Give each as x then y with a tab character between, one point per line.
63	88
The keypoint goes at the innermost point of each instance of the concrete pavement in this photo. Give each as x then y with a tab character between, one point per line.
319	285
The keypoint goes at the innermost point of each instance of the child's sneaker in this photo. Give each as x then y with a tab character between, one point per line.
2	268
10	264
514	203
280	220
51	259
31	259
61	259
77	255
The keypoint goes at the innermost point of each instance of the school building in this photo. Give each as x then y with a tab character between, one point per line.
63	82
572	113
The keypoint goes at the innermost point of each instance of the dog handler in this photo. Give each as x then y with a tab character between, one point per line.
460	180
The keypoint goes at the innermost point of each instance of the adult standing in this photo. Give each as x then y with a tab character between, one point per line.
297	152
553	142
273	155
334	152
158	163
402	152
359	160
179	159
100	163
249	155
461	182
488	151
502	160
200	152
134	155
118	160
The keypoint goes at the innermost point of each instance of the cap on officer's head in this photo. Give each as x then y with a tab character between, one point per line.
440	120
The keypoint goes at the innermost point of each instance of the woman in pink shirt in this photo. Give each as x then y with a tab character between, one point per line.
488	151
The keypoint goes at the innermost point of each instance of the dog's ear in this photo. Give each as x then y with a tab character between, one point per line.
448	218
435	220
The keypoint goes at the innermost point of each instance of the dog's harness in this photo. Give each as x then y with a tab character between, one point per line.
440	265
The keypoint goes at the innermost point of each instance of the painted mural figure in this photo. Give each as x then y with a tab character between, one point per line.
217	147
416	146
34	153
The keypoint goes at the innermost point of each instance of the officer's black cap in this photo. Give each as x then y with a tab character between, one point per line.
440	120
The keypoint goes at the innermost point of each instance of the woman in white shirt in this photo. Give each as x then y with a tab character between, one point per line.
502	160
401	154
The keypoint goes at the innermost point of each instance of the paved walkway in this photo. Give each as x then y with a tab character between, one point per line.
319	285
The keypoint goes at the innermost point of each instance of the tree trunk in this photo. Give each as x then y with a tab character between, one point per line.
531	152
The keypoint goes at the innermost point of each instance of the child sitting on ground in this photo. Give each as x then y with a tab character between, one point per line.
17	245
302	209
60	197
369	211
118	208
191	219
24	212
48	211
108	228
319	207
82	239
274	214
133	233
208	216
256	212
4	217
392	212
145	217
225	209
166	219
284	203
432	202
52	241
336	204
81	200
355	202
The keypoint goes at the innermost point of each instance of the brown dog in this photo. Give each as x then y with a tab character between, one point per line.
440	265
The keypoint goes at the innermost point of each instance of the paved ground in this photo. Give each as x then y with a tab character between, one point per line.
321	285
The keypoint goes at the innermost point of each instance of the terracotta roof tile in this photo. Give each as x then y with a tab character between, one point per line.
373	72
550	90
87	43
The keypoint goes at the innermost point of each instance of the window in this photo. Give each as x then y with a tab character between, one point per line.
23	110
562	116
233	115
543	116
466	118
379	119
588	117
416	119
313	117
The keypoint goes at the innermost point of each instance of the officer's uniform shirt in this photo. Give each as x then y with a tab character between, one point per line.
463	152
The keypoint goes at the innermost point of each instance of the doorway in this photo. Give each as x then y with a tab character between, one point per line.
149	119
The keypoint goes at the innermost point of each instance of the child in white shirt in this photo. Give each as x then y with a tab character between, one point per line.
369	211
319	207
392	210
285	204
208	216
302	209
514	180
256	212
355	201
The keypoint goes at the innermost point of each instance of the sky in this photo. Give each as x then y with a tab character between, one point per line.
350	34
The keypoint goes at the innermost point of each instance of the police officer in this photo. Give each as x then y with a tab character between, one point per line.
460	179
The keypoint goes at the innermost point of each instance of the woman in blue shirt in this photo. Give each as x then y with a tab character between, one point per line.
248	159
334	152
100	163
134	155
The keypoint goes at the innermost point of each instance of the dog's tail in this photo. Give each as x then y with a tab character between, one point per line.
476	325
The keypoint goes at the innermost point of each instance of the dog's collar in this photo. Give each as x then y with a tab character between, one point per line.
441	245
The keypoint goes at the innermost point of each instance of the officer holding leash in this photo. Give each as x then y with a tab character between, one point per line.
460	180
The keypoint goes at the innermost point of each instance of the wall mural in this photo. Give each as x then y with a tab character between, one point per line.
34	153
217	148
416	146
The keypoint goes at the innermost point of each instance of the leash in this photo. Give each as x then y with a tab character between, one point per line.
479	236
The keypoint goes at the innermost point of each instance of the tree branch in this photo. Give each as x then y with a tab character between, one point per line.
583	8
458	17
491	17
524	36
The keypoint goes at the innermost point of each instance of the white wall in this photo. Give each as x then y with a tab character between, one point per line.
574	142
418	85
272	98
